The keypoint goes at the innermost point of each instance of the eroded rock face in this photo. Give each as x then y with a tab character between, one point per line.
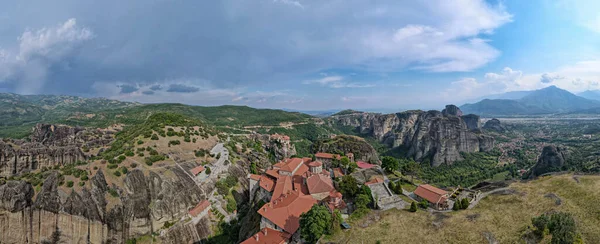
15	196
494	125
49	145
552	159
432	135
343	144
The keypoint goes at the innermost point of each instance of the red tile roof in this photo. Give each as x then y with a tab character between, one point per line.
315	164
267	183
301	170
376	180
319	183
431	193
197	170
273	173
364	165
254	177
285	211
326	155
337	172
283	185
203	205
291	164
268	236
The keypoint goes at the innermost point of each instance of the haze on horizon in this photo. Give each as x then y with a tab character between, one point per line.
298	54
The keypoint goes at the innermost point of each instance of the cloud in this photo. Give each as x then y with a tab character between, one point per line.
547	78
156	87
126	89
233	44
337	82
180	88
148	92
41	53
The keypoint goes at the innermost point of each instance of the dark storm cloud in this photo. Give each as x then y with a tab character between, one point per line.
148	92
156	87
126	89
182	88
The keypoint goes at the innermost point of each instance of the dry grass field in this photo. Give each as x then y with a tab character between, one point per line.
501	218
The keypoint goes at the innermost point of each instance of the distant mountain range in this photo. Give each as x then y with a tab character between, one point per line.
549	100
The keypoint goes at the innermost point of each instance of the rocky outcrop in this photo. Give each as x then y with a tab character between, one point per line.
279	145
144	205
344	144
48	146
434	136
494	125
552	159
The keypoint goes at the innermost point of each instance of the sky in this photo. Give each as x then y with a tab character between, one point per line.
298	54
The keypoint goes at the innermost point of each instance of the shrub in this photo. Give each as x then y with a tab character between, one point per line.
154	137
413	207
113	192
231	204
112	166
133	165
124	170
81	183
423	204
117	173
464	203
141	154
456	206
95	167
122	157
129	154
69	183
207	170
140	142
84	177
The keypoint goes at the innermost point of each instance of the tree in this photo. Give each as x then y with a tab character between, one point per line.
562	227
362	200
253	169
390	164
207	170
464	203
456	206
336	221
392	186
411	168
348	186
541	225
315	223
413	207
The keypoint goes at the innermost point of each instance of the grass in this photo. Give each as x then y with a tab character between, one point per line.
505	217
500	176
409	187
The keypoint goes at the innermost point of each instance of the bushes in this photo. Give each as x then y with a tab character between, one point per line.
117	173
174	142
124	170
140	142
70	183
423	204
560	225
113	192
129	154
413	207
154	137
396	188
231	204
153	159
112	166
81	183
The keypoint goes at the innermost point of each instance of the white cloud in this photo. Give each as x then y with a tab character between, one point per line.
38	52
578	77
337	82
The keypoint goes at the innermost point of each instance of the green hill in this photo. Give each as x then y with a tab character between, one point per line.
19	113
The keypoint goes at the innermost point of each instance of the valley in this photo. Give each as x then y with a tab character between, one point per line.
171	173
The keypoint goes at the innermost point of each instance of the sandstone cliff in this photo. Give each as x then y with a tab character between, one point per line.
343	144
433	135
48	146
552	159
494	125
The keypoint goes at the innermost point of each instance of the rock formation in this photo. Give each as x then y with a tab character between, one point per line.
552	159
494	125
436	136
343	144
141	209
48	146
